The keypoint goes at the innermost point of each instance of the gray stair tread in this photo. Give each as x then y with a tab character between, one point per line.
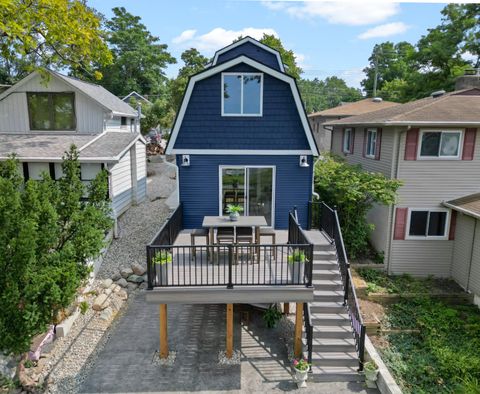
333	341
342	328
329	304
328	292
325	271
319	356
317	369
330	316
321	282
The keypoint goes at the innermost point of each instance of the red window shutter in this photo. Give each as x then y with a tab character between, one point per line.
411	144
378	145
453	225
400	223
352	140
364	153
469	144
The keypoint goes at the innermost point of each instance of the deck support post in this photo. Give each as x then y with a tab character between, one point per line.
298	329
229	352
286	308
163	331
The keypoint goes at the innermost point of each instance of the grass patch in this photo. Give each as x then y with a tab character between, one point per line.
379	282
444	356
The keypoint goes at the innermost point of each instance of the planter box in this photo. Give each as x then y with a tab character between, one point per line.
455	298
296	272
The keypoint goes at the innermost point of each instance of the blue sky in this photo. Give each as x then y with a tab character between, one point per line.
329	38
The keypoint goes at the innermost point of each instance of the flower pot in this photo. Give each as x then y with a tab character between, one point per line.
296	272
301	378
234	216
371	378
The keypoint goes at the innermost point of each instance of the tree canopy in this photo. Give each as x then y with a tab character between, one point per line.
49	33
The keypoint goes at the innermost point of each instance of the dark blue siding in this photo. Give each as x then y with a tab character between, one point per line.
203	126
199	186
252	51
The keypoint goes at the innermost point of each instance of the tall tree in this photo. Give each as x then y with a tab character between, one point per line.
139	59
50	33
288	56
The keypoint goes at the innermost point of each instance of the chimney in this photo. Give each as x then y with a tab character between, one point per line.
471	79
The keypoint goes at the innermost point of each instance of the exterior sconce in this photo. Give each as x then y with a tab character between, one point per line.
185	161
303	161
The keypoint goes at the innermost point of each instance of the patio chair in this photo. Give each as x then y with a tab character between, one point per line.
199	232
244	235
269	232
224	236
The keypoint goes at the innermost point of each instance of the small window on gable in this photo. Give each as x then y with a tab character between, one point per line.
123	121
348	140
242	94
427	224
371	143
440	144
51	111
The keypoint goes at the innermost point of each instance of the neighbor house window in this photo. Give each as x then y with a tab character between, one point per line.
371	143
51	111
242	94
440	144
427	223
348	140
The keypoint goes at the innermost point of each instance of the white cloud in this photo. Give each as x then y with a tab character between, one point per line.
184	36
387	30
346	12
218	37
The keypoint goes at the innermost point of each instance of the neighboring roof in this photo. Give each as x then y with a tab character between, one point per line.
253	41
219	68
355	108
125	99
469	205
105	147
96	93
458	108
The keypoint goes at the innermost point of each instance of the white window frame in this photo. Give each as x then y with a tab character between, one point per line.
241	94
245	203
428	237
373	131
347	150
460	145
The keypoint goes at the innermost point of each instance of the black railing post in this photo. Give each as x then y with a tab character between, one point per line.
230	266
149	269
347	287
310	267
361	348
309	216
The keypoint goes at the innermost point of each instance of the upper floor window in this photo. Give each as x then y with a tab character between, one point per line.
51	111
347	140
242	94
427	223
440	144
371	143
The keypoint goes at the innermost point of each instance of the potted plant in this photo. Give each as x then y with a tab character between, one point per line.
301	367
161	259
296	265
371	374
234	211
272	316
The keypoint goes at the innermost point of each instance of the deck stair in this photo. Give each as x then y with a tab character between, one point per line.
334	356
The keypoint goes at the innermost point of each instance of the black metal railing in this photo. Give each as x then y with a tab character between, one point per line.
297	236
324	218
307	316
171	228
229	265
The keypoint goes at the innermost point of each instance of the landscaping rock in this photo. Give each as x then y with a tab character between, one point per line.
107	291
135	279
101	302
116	276
138	269
122	294
143	286
115	288
126	272
122	282
107	283
132	286
106	314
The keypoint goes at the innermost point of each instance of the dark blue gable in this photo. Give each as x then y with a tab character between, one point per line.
252	51
199	186
280	127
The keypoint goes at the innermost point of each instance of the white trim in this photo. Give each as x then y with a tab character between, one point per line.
409	123
91	141
138	94
221	167
462	210
267	70
371	130
250	152
428	237
241	114
460	145
52	159
253	41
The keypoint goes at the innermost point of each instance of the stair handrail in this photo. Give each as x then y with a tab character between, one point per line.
309	332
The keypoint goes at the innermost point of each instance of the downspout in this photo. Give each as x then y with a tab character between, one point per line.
138	119
471	255
110	196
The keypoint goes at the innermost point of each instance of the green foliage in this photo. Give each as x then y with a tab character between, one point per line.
234	208
354	192
272	316
159	114
28	364
443	356
301	364
288	56
318	95
370	366
298	256
83	307
48	234
162	258
49	33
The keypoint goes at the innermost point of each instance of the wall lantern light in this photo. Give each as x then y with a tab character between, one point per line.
185	160
303	161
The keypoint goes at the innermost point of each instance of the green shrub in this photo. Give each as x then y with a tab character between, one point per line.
272	316
83	307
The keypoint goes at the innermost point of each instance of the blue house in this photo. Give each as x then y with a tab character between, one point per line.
242	137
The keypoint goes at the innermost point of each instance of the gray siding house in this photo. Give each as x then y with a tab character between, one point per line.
41	118
323	135
433	146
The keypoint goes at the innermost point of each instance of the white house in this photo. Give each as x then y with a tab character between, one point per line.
40	118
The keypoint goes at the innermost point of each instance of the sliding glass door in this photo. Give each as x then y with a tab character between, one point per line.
250	187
